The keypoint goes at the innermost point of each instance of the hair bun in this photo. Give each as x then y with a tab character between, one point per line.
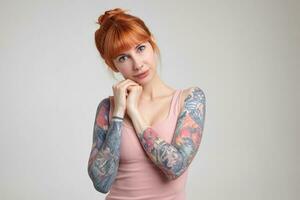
108	14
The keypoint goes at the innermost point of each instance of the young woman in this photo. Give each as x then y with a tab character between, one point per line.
147	134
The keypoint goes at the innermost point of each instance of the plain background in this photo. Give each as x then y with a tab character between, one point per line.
243	54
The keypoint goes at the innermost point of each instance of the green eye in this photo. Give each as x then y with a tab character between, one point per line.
142	47
120	59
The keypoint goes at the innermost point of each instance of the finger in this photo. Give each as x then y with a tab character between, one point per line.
123	85
119	83
129	86
128	81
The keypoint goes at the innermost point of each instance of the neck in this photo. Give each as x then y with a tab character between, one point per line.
154	89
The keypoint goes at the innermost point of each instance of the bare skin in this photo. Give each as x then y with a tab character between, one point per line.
156	110
145	102
173	159
105	154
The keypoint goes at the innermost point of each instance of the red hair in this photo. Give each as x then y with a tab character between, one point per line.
119	32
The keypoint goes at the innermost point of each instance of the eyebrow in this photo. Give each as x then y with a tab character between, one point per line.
126	54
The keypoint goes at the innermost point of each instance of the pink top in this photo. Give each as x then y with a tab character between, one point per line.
138	178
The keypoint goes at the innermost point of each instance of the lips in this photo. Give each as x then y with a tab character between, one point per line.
141	74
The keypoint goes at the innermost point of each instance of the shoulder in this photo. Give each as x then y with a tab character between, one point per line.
102	112
104	104
193	91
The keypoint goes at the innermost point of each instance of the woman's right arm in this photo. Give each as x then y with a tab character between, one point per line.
104	157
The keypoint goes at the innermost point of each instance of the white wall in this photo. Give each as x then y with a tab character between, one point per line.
243	54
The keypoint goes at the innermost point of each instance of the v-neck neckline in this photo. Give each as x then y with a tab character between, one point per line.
158	122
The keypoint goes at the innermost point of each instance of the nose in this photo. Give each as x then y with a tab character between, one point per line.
137	62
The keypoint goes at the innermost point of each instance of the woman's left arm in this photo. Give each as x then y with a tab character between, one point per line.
173	159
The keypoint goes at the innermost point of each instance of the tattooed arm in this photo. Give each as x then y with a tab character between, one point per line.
104	157
173	159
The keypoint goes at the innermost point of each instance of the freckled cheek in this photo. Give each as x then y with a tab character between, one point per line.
149	57
126	71
149	61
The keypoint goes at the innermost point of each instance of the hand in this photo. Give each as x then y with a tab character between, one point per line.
133	98
120	93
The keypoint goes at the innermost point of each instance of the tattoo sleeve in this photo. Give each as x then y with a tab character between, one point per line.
104	157
173	159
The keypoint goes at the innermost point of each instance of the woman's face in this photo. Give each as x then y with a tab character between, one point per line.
140	59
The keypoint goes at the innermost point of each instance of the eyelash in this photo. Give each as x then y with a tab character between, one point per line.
126	56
